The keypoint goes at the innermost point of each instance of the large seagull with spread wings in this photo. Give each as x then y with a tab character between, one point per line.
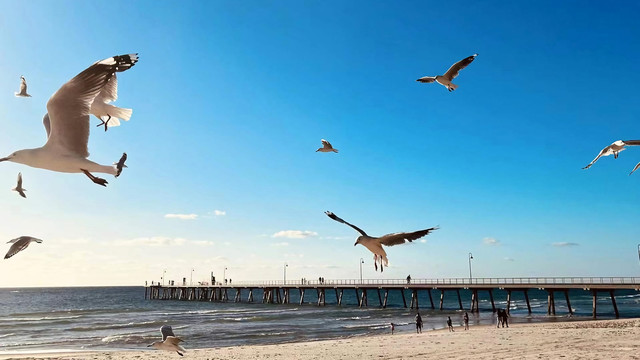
614	149
374	244
451	74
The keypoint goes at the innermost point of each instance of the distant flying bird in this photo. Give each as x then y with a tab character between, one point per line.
169	341
20	244
635	168
614	149
67	123
326	147
101	107
374	244
19	187
451	74
120	164
23	88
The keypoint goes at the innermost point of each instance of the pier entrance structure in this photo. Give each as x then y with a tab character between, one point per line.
278	292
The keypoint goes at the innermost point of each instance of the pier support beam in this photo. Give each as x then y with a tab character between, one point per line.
430	299
526	298
551	303
508	300
566	296
613	302
404	300
386	295
379	297
301	296
250	297
340	297
441	298
493	305
595	297
459	299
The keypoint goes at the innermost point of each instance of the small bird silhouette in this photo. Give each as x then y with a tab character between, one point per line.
19	187
326	147
451	74
23	88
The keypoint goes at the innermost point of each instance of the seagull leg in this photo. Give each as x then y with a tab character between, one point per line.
120	164
104	122
375	261
95	179
179	353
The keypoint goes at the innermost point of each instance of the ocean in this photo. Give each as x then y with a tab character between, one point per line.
119	318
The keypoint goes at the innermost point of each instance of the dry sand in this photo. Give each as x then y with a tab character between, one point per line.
607	339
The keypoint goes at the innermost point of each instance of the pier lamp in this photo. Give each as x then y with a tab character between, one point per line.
191	280
163	274
224	273
470	258
285	272
361	262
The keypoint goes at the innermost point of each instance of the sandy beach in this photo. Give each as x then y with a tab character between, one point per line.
605	339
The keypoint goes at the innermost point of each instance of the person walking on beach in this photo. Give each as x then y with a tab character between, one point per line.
392	328
418	324
449	324
466	320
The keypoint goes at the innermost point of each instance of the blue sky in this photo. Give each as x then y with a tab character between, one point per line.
231	100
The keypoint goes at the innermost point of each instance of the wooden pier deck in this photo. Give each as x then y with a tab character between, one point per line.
278	292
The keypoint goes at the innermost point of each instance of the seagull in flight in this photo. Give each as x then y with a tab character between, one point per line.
23	88
20	244
67	123
19	187
374	244
101	108
635	168
614	149
169	341
326	147
451	74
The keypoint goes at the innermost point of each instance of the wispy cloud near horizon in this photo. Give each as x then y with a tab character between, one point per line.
564	244
491	241
294	234
181	216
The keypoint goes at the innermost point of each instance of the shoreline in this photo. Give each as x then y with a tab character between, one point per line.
590	339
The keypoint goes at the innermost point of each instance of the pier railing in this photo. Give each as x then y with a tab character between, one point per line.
608	280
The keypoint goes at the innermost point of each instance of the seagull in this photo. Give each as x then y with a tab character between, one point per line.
19	187
451	74
374	244
635	168
326	147
67	123
120	164
101	107
23	88
20	244
169	341
614	149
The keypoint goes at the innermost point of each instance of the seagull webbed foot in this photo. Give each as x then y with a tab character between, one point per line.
95	179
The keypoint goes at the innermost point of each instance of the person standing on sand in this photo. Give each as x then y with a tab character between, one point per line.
466	320
418	324
392	328
449	324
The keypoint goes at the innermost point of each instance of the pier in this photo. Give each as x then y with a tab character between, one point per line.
279	292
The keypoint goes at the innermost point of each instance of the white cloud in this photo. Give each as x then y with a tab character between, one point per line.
294	234
491	241
182	216
201	242
219	213
509	259
149	241
564	243
280	244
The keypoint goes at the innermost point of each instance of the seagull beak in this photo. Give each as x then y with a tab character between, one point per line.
149	345
355	243
4	159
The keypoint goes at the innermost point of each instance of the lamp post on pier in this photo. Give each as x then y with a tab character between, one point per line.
470	258
163	274
361	262
285	273
191	279
224	274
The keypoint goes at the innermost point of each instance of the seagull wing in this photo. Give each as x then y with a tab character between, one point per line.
631	142
69	107
19	181
326	144
635	168
173	340
427	79
602	152
454	70
401	238
166	331
334	217
109	92
20	244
